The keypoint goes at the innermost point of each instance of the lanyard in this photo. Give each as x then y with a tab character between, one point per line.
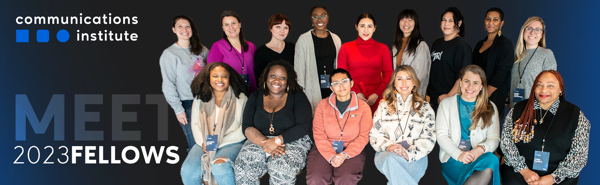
548	129
405	124
460	116
522	73
241	59
338	121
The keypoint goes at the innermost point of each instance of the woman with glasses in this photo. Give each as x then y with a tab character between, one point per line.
368	60
316	57
341	131
403	132
531	58
234	50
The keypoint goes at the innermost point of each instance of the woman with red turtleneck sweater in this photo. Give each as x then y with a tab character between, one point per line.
368	61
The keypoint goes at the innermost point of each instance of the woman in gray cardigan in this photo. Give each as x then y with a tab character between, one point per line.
316	57
415	51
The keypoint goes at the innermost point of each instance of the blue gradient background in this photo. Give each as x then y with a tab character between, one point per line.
42	69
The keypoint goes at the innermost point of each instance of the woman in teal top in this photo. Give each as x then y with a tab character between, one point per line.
468	132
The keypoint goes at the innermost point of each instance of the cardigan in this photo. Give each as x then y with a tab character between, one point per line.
387	128
356	122
293	121
305	65
447	126
222	51
419	61
370	64
498	65
176	69
233	134
265	55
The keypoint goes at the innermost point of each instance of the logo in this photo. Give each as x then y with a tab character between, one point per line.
436	55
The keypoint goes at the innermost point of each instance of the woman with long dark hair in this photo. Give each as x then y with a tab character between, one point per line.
179	64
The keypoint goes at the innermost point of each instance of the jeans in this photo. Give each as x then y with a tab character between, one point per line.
398	170
191	169
187	129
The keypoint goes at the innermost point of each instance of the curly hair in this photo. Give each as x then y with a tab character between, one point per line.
201	84
292	77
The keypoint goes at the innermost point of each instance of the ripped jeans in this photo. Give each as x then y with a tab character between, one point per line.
191	169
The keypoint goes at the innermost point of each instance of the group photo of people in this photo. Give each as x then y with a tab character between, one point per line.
322	110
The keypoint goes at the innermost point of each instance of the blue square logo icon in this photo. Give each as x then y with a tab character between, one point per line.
43	35
22	35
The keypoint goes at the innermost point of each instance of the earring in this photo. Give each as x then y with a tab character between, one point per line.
288	89
500	32
395	91
560	94
264	86
481	89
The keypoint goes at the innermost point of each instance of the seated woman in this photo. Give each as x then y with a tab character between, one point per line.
403	130
276	122
341	131
524	140
219	100
466	120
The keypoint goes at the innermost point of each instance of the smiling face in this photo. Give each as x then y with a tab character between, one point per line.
280	31
365	28
182	29
231	26
492	22
341	90
320	23
448	26
277	80
547	89
407	25
532	38
219	79
403	83
470	86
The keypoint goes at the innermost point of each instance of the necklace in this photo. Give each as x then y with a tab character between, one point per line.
189	54
542	120
271	116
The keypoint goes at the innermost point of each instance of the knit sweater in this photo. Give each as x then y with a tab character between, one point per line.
419	61
419	131
305	65
222	51
176	69
542	60
233	134
370	64
447	126
356	123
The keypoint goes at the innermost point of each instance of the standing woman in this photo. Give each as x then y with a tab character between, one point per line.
468	132
179	64
494	54
277	48
549	129
234	50
415	51
368	61
449	54
277	120
341	131
316	57
403	132
220	97
531	58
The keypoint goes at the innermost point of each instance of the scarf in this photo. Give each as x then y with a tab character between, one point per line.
208	115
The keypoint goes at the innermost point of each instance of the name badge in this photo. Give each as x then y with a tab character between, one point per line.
338	146
540	160
465	145
246	79
324	80
519	95
404	144
212	142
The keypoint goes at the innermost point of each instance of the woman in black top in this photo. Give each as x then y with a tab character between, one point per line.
277	48
449	54
277	119
495	55
549	141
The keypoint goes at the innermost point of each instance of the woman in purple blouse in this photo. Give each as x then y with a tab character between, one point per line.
233	49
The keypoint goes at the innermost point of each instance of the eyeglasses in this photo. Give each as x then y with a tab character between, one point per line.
315	17
344	81
537	30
